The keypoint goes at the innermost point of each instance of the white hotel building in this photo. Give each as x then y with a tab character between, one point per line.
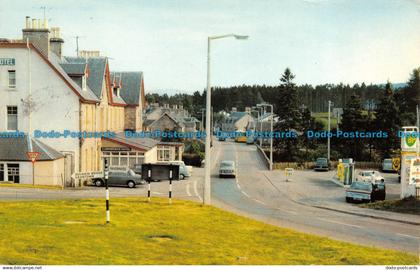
42	90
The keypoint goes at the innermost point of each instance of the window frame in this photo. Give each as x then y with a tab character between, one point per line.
7	117
9	72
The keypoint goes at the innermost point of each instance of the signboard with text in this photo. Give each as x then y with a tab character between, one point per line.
7	62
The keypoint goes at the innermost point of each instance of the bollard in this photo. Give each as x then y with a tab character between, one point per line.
149	174
170	186
106	169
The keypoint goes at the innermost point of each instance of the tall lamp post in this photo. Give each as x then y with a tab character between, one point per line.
271	135
329	130
207	165
260	119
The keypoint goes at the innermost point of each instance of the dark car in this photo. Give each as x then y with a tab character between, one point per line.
121	178
365	192
322	164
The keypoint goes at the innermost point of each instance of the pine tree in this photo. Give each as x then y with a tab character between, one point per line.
353	120
387	120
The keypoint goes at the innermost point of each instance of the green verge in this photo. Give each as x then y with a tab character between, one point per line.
74	232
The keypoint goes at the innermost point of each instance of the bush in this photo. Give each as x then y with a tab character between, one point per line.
192	159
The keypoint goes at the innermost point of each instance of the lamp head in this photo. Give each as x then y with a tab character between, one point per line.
241	37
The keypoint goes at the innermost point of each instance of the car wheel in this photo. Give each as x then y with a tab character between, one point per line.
349	200
131	184
98	183
181	177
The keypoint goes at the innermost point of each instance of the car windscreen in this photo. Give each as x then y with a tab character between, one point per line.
361	186
226	164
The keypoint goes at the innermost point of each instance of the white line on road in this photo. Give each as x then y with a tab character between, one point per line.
246	194
340	223
158	193
407	235
188	189
196	191
258	201
287	211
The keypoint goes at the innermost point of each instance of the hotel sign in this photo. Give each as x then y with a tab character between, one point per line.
7	62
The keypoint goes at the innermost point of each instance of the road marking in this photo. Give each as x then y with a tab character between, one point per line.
340	223
258	201
407	235
196	191
157	193
188	189
287	211
246	194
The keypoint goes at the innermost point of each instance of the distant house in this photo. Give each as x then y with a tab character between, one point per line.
237	121
167	118
166	122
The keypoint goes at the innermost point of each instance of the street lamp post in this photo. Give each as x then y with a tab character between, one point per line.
207	165
271	135
329	130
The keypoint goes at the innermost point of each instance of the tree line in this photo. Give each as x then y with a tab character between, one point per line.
365	108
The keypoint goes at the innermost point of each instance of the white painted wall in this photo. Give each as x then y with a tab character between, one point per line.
56	106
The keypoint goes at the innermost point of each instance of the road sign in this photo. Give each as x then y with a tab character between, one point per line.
415	172
33	156
396	164
288	172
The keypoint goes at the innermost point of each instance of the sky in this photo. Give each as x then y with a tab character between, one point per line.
322	41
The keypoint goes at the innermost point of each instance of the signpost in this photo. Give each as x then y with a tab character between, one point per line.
33	156
415	173
289	173
409	155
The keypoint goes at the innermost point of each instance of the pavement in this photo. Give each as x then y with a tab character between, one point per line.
309	203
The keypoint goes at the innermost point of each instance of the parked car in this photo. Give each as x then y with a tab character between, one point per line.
120	178
184	171
371	176
227	168
221	138
365	192
387	165
322	164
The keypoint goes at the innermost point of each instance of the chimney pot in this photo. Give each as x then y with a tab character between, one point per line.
28	22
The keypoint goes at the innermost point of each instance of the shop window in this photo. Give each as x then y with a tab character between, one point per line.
13	173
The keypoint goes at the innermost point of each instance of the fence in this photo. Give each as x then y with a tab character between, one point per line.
264	156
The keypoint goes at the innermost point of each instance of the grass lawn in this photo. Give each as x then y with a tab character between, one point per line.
73	232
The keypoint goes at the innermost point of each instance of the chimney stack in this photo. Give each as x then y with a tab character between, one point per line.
56	42
37	34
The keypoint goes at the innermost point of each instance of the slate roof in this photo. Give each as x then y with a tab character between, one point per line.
15	149
97	66
131	86
86	94
142	143
74	68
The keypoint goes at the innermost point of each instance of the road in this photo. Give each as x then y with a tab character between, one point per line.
266	196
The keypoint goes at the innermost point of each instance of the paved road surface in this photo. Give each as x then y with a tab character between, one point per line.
266	196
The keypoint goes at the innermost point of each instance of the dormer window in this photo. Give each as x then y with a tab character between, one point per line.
116	91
